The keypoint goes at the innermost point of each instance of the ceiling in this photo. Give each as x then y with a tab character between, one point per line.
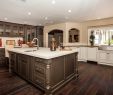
44	12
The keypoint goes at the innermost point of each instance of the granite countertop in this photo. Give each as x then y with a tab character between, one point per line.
42	52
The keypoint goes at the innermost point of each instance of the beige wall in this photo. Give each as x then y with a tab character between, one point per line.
70	25
65	27
83	27
47	29
94	23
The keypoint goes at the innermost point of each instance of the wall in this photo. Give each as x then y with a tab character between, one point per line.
70	25
83	27
47	29
65	27
94	23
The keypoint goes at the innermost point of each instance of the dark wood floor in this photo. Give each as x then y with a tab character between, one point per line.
93	80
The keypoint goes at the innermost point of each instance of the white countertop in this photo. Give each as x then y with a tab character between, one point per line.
43	52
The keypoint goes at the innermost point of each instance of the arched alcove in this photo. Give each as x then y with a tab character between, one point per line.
57	34
74	35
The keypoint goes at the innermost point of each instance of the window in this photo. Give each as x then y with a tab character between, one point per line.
103	36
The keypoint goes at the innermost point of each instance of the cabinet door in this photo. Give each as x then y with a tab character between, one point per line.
1	29
110	58
2	57
8	29
31	68
82	54
15	30
102	57
69	65
23	62
92	54
57	71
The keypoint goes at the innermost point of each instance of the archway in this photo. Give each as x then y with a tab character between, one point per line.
74	35
57	34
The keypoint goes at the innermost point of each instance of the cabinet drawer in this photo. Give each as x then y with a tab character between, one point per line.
40	70
40	60
40	81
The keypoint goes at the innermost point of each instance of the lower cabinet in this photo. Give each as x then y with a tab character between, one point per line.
87	54
92	53
47	74
105	57
82	53
69	65
13	62
23	66
2	57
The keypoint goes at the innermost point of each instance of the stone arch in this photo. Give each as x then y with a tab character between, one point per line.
57	34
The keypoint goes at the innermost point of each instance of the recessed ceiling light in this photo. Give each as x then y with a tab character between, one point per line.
46	18
53	1
69	11
5	18
29	13
66	17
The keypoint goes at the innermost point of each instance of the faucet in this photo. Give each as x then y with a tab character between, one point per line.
33	41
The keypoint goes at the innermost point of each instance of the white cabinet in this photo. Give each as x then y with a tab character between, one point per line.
92	53
82	54
105	57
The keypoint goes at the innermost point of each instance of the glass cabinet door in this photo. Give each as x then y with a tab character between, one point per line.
8	30
1	29
15	31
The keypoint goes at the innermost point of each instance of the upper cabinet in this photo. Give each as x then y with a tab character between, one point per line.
74	35
15	30
21	30
27	32
8	30
30	32
39	35
1	29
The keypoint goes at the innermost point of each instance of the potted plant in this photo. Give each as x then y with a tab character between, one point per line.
92	38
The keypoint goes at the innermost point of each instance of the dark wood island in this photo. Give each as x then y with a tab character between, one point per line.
46	73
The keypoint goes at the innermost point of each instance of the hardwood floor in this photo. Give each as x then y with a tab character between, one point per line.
93	80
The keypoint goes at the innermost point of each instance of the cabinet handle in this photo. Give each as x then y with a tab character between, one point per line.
107	53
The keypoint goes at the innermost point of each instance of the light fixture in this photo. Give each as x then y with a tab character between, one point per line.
69	11
53	1
66	17
5	18
46	18
29	13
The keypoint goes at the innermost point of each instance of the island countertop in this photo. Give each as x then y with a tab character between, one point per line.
44	53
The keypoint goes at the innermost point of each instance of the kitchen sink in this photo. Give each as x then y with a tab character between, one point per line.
105	48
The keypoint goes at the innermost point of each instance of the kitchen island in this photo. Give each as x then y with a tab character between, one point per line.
47	70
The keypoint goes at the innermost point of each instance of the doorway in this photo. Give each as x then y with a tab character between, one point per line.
57	34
